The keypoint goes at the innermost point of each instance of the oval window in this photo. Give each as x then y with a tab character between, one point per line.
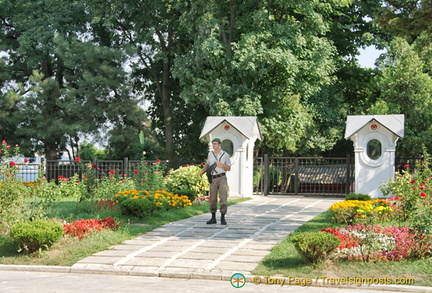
374	149
228	146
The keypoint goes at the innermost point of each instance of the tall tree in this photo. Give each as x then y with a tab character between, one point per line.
65	83
149	31
265	58
406	88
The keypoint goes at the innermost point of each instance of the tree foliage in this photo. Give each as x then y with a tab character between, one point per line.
264	59
406	88
61	81
73	69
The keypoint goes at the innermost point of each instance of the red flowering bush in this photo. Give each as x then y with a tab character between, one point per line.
80	228
412	197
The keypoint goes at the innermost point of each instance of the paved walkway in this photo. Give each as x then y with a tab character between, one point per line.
192	250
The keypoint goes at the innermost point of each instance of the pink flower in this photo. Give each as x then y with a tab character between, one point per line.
406	166
8	147
158	160
4	142
12	163
77	159
423	194
422	187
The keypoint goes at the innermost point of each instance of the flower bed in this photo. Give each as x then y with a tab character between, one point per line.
377	243
354	211
142	203
80	228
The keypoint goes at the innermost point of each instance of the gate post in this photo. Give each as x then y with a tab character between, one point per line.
125	166
348	174
296	177
266	175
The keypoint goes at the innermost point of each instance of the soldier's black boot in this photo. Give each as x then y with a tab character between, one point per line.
213	219
223	221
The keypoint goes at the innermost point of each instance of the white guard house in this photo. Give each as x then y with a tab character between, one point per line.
374	138
238	136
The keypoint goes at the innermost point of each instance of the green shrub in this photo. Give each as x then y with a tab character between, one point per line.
187	178
314	247
357	196
138	207
36	235
191	194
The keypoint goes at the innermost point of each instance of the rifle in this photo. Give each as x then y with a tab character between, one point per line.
211	168
209	171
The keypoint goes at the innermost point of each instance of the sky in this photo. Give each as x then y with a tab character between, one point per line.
368	56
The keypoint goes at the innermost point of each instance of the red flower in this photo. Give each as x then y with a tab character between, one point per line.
4	142
413	181
423	194
111	172
12	163
135	171
94	166
158	160
25	160
1	151
77	159
406	166
8	147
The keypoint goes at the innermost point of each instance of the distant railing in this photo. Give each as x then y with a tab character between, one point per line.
52	170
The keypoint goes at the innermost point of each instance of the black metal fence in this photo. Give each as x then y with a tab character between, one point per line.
303	175
272	175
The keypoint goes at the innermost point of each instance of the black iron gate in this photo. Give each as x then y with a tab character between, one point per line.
303	175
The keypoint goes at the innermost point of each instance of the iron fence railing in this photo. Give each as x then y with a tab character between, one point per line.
55	169
272	175
303	175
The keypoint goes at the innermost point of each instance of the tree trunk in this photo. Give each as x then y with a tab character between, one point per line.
50	150
166	106
166	96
